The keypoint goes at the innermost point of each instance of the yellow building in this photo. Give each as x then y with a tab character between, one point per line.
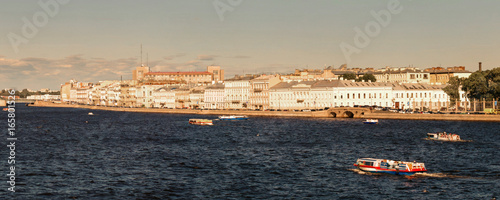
139	72
217	73
441	76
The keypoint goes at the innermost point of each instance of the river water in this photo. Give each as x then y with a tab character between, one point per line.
63	153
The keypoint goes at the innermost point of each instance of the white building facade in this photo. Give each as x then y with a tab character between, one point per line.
215	97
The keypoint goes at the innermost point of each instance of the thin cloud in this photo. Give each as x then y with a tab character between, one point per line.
172	57
206	57
38	73
241	57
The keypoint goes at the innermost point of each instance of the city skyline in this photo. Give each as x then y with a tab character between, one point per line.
92	41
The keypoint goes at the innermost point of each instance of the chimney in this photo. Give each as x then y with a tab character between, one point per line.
479	66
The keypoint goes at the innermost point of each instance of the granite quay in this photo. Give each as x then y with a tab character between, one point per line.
363	113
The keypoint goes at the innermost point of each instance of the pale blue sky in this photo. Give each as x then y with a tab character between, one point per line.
100	40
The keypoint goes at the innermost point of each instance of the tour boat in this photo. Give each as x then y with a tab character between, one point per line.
371	121
233	117
443	136
90	113
202	122
375	165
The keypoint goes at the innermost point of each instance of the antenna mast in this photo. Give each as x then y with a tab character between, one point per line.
141	55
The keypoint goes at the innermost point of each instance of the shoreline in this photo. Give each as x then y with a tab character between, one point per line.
316	114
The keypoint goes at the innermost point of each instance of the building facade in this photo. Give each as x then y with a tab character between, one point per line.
237	91
214	96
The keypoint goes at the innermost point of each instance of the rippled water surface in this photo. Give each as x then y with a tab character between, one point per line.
63	153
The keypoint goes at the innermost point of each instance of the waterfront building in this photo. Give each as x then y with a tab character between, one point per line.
214	96
441	76
196	98
259	91
127	94
94	94
44	97
363	94
419	96
144	95
82	95
290	95
237	91
75	91
321	94
182	96
164	97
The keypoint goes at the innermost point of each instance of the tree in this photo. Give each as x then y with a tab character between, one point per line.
349	76
476	86
493	77
24	93
453	89
368	77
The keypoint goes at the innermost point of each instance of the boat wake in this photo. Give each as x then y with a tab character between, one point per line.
363	172
439	175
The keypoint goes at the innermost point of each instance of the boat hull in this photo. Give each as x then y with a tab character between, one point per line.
393	172
222	119
375	165
443	136
201	122
232	117
370	122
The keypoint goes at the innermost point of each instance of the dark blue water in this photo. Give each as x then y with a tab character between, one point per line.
63	153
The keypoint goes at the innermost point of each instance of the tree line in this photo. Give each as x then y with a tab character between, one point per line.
24	93
479	85
352	76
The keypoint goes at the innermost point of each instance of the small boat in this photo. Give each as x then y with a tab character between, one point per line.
233	117
202	122
443	136
90	113
5	109
374	165
370	121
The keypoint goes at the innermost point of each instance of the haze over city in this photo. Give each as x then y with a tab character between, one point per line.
93	40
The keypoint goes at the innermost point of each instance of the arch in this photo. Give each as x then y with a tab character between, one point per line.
349	114
332	114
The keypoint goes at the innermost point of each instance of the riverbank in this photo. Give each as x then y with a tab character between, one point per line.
317	114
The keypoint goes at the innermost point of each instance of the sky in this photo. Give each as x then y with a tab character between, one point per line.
45	43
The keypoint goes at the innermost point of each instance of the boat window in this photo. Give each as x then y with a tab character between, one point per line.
369	163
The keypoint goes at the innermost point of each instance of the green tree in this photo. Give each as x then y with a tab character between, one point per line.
369	77
24	93
453	89
493	77
349	76
476	86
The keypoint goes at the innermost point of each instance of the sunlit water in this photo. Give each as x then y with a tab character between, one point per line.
63	153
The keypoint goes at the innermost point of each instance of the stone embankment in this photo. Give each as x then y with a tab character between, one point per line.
317	114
